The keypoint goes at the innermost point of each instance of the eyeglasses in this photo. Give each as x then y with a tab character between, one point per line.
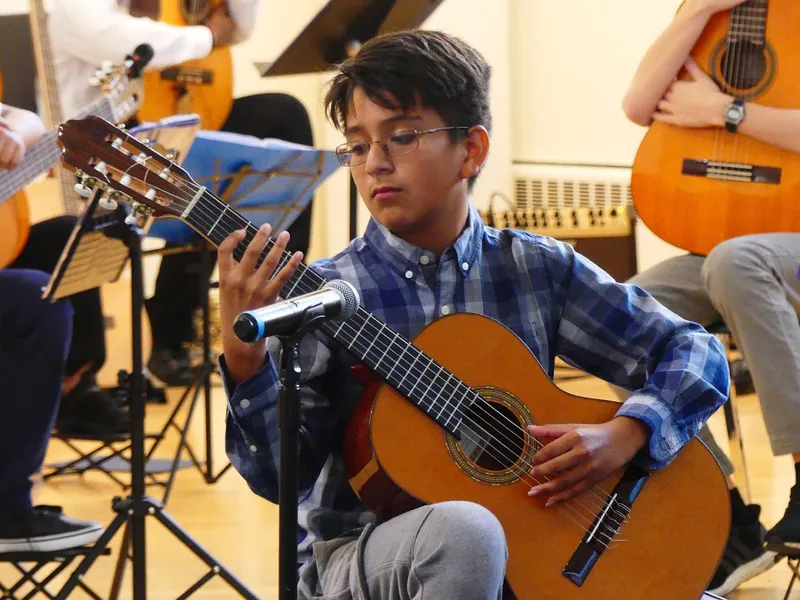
396	143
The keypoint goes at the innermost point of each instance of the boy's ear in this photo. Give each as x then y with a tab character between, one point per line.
477	144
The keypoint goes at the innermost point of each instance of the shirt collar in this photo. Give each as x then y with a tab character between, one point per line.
406	258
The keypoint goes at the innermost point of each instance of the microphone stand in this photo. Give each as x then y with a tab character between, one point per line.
289	426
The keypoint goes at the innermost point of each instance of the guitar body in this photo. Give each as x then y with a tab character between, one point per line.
398	458
697	212
15	222
204	86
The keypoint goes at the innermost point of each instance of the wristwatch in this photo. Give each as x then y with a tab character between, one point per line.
734	115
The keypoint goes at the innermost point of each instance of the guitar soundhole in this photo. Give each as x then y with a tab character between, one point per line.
744	65
744	69
492	436
195	12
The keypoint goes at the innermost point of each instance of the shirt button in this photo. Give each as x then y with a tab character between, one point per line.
244	403
465	266
253	448
409	275
424	259
446	310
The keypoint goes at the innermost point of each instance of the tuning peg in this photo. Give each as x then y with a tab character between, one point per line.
131	218
82	189
108	203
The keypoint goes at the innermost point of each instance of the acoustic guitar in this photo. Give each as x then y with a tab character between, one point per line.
695	188
203	86
451	425
121	98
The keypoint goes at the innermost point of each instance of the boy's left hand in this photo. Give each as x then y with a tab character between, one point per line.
576	457
693	103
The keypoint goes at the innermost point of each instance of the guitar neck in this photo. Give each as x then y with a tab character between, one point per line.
51	100
396	360
42	155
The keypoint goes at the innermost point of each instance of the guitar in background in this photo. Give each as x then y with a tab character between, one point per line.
121	99
50	99
723	184
203	86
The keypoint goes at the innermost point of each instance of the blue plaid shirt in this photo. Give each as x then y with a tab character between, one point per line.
556	301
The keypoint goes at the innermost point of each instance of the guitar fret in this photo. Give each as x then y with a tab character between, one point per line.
409	371
389	374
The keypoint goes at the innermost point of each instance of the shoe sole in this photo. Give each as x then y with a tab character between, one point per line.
53	543
746	572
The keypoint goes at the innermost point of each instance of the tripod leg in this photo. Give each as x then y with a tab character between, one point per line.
122	562
91	556
217	568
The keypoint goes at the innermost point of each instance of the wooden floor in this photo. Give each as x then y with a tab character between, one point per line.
241	530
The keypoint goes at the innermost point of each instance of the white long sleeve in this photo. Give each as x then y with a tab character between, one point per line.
87	32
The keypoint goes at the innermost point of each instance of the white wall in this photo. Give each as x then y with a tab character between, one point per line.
571	63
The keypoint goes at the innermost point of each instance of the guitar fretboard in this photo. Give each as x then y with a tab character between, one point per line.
43	155
396	360
48	86
749	23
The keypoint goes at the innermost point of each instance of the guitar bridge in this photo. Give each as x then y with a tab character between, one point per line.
606	525
727	171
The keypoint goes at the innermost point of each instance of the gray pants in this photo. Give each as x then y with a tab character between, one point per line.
446	551
751	284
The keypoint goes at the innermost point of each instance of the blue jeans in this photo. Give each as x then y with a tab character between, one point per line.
34	339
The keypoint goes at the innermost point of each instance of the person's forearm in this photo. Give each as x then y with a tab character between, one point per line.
663	61
776	126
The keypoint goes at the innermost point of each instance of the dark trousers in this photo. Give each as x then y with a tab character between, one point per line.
45	244
179	288
34	337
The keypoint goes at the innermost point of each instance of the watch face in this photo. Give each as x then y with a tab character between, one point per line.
734	113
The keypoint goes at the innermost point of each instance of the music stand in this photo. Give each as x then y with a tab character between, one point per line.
336	32
96	253
171	135
267	181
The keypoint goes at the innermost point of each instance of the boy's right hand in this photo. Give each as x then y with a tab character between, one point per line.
12	146
245	285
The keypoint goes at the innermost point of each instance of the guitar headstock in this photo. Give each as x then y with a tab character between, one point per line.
106	157
122	84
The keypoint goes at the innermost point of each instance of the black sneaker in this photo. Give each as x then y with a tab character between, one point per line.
46	529
172	366
90	410
744	556
784	538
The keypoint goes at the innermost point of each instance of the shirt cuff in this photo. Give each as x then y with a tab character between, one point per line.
665	439
249	396
199	36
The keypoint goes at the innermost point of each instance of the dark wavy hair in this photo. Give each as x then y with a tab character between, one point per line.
397	70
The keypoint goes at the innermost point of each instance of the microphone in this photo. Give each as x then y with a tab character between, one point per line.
138	59
338	300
